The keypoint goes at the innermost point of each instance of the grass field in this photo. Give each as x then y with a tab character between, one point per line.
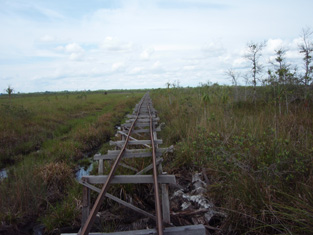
258	157
42	139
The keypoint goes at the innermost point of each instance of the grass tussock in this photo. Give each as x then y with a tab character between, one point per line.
258	160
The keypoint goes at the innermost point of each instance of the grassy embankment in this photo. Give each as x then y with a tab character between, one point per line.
42	139
258	157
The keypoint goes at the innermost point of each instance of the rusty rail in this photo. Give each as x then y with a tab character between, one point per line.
155	180
91	218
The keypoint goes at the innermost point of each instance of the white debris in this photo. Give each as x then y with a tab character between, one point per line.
185	205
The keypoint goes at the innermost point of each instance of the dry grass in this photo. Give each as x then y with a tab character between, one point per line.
259	163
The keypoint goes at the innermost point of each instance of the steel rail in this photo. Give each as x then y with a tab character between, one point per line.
159	220
92	216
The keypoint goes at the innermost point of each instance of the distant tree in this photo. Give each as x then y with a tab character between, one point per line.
9	90
306	48
277	78
234	79
253	55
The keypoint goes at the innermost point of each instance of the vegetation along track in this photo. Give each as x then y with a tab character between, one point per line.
143	110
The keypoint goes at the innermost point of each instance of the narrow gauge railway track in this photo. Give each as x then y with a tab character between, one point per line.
145	104
143	122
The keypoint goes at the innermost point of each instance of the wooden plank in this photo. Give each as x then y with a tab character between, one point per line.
132	138
142	120
137	124
165	204
159	150
100	167
158	129
133	153
198	229
148	168
112	156
130	179
126	204
140	116
135	142
128	167
145	130
85	205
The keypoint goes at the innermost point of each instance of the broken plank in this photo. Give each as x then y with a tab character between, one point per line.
108	195
132	138
150	167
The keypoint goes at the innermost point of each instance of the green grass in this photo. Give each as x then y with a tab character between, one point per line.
27	122
259	163
43	138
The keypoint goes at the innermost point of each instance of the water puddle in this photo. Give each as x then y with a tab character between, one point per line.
3	174
83	171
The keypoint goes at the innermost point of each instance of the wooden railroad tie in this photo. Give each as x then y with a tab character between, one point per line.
138	123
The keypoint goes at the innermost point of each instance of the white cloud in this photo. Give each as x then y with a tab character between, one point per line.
213	48
113	44
73	48
47	38
189	67
156	65
166	41
136	70
76	56
75	51
174	47
146	54
273	45
117	66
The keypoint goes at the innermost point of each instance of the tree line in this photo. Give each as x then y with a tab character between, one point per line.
281	76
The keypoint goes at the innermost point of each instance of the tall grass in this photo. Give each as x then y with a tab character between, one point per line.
29	121
58	130
259	163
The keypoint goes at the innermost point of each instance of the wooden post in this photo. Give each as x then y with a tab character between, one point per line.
100	167
122	136
86	204
165	204
165	199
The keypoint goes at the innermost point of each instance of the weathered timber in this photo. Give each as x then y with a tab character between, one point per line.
86	204
140	116
143	120
138	124
126	204
132	153
129	179
128	167
100	167
135	142
132	138
92	216
198	229
165	204
148	168
145	130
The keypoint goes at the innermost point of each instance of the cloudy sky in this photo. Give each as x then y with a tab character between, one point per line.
110	44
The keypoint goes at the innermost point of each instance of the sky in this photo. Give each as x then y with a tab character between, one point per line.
131	44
